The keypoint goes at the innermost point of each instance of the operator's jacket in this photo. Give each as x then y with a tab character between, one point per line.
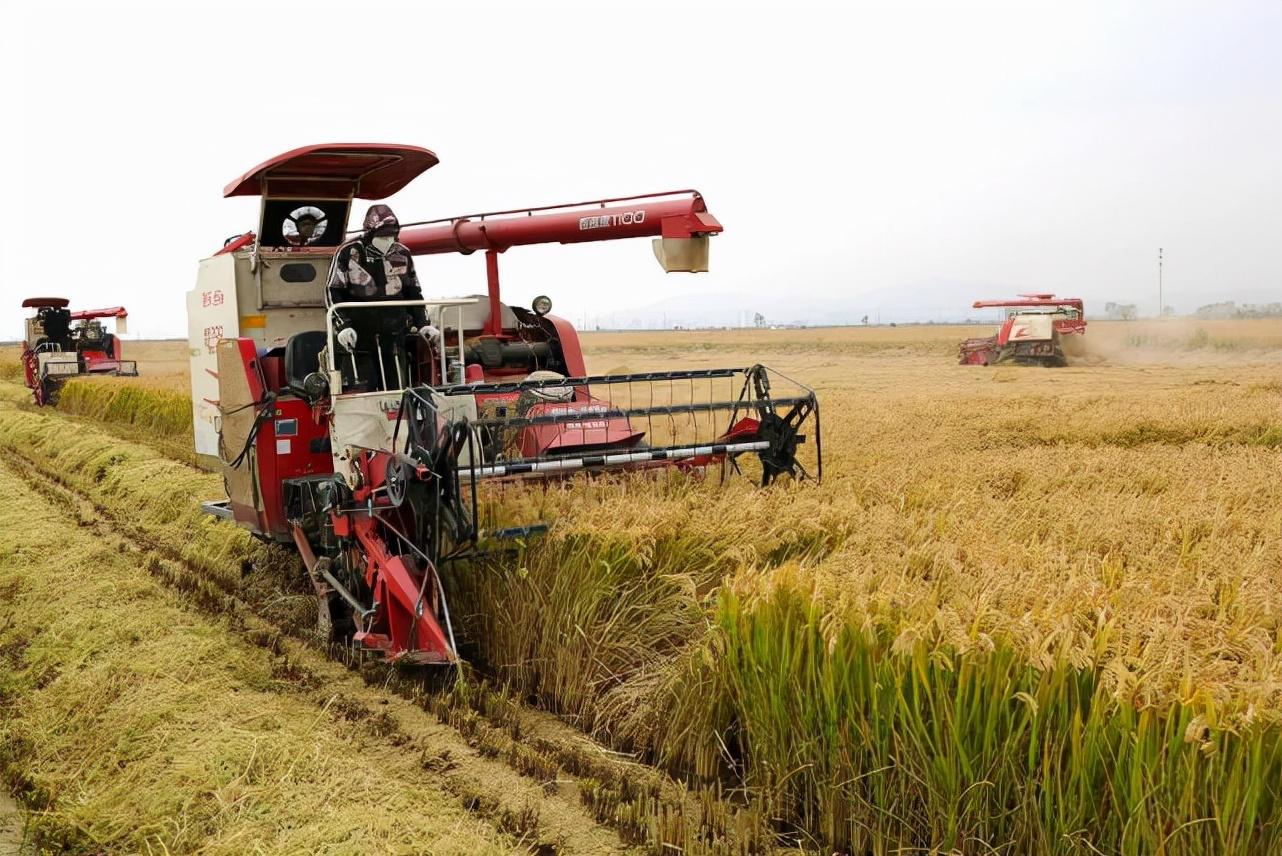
361	273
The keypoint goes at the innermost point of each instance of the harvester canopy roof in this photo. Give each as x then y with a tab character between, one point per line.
38	302
335	171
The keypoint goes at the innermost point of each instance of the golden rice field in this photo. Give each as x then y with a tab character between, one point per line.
1027	610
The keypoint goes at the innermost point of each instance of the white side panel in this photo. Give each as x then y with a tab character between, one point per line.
58	363
1032	328
211	315
367	420
361	420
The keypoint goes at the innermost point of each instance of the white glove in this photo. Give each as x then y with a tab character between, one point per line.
429	333
347	338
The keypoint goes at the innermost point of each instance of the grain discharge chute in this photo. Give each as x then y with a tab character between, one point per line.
372	469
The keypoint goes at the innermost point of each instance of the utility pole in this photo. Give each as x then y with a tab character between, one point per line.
1159	283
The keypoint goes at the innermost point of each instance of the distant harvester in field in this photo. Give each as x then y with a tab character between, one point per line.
60	344
1031	333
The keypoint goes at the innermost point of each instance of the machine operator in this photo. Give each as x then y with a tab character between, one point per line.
376	267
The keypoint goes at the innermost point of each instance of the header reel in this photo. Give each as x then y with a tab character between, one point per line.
733	419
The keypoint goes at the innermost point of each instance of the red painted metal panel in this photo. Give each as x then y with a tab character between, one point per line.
603	220
87	314
1038	300
38	302
336	170
235	244
571	350
593	432
273	367
1003	333
396	590
289	445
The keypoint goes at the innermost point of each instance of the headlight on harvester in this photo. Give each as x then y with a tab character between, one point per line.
542	305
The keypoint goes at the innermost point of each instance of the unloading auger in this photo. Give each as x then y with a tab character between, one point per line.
375	479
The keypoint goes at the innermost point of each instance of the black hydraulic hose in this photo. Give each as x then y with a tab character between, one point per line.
268	408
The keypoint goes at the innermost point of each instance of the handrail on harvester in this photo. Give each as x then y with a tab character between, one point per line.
379	304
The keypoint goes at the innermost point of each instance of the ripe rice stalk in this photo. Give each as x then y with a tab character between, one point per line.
157	411
1031	611
939	655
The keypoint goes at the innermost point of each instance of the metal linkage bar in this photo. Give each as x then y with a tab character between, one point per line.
621	459
591	412
518	386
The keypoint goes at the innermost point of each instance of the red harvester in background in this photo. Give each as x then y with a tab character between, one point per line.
60	344
1030	334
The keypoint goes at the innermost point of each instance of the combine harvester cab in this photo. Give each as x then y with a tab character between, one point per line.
60	344
375	479
1031	333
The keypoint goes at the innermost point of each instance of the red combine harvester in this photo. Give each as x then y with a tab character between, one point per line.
1031	333
375	479
60	344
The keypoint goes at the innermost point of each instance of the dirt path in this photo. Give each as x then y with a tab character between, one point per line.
12	842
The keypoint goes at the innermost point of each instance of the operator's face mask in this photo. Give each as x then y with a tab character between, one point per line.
383	243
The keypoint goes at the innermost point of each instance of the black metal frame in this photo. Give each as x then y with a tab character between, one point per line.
781	420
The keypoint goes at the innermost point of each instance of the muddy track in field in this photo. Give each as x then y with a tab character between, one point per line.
519	767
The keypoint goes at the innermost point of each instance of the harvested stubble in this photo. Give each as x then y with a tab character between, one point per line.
225	571
133	726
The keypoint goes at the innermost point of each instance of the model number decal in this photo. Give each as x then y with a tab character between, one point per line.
604	221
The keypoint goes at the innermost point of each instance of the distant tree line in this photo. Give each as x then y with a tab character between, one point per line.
1229	309
1119	311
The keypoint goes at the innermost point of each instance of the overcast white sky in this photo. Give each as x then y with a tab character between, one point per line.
893	158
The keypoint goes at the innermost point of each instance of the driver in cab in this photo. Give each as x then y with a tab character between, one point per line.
376	267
